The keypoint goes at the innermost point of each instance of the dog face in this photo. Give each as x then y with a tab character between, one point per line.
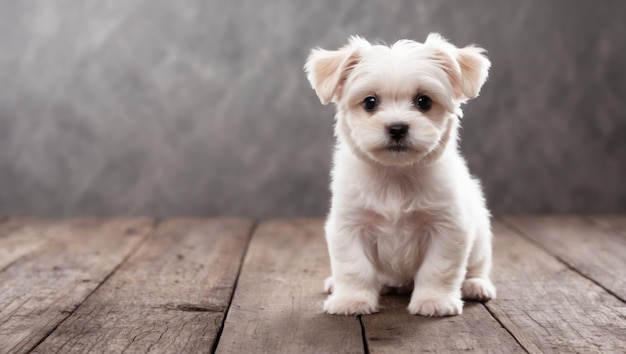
397	105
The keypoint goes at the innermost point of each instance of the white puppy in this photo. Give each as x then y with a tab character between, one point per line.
405	210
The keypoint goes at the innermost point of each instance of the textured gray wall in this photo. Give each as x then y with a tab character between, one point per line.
201	107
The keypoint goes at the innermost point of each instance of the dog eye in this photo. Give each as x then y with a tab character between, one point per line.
423	103
370	103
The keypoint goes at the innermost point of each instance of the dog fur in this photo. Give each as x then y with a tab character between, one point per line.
406	213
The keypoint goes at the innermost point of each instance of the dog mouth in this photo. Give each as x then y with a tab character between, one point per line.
397	147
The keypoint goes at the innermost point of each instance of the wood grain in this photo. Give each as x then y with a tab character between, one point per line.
49	280
170	297
393	330
548	307
277	307
594	250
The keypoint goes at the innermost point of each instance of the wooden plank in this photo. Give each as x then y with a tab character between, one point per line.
595	251
41	289
170	297
277	307
19	237
393	330
548	307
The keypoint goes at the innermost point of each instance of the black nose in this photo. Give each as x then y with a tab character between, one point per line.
398	131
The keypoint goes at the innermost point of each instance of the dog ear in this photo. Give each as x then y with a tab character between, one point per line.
466	67
327	70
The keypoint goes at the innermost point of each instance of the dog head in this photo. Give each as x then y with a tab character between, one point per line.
399	104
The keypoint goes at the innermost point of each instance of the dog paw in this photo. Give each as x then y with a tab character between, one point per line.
355	304
441	306
480	289
328	285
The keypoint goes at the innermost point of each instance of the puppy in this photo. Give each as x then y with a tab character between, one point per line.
405	210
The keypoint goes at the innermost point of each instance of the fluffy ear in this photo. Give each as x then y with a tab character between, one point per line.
327	70
467	67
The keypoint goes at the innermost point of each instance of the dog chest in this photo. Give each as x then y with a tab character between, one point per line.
399	244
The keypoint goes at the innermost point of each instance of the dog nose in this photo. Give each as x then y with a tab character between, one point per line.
398	131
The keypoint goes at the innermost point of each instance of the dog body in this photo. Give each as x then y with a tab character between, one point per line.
405	210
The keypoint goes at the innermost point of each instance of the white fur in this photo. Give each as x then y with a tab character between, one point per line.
413	218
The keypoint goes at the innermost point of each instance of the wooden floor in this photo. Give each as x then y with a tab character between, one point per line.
239	286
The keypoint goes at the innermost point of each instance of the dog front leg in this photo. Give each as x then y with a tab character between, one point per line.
354	279
438	281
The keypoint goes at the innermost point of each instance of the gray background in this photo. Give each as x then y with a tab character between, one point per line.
167	108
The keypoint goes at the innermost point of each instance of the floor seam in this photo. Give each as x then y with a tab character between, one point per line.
495	317
366	349
251	233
